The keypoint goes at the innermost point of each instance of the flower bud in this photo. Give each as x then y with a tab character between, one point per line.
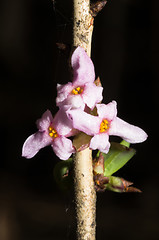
117	184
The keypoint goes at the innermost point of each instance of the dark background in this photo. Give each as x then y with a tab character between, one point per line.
125	52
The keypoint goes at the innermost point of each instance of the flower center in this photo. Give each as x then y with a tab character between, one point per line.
77	90
104	126
52	132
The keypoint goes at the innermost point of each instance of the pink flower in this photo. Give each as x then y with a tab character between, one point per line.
51	131
105	124
82	90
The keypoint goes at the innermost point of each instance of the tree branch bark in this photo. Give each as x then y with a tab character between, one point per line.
85	195
83	25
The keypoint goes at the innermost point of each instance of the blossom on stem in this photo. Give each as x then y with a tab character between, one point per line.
105	124
51	131
82	90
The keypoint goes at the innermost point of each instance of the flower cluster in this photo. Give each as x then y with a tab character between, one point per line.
76	101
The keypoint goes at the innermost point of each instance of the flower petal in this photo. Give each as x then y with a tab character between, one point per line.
128	132
75	101
92	95
101	142
83	68
62	123
62	147
62	93
84	122
44	122
34	143
108	111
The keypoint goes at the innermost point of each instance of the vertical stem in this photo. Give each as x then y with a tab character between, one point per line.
85	195
83	25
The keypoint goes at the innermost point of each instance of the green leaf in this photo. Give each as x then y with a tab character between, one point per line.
125	143
62	174
116	158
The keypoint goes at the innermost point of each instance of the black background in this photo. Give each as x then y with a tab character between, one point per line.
125	53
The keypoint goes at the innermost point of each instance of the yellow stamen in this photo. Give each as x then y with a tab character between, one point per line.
104	126
77	90
52	132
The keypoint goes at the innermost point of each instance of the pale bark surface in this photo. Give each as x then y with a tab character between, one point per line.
85	195
83	25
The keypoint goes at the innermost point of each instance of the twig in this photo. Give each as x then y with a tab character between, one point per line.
83	25
85	195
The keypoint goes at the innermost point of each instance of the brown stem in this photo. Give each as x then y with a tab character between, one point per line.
85	195
83	25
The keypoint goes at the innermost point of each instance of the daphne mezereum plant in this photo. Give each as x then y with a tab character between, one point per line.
84	118
77	101
81	111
